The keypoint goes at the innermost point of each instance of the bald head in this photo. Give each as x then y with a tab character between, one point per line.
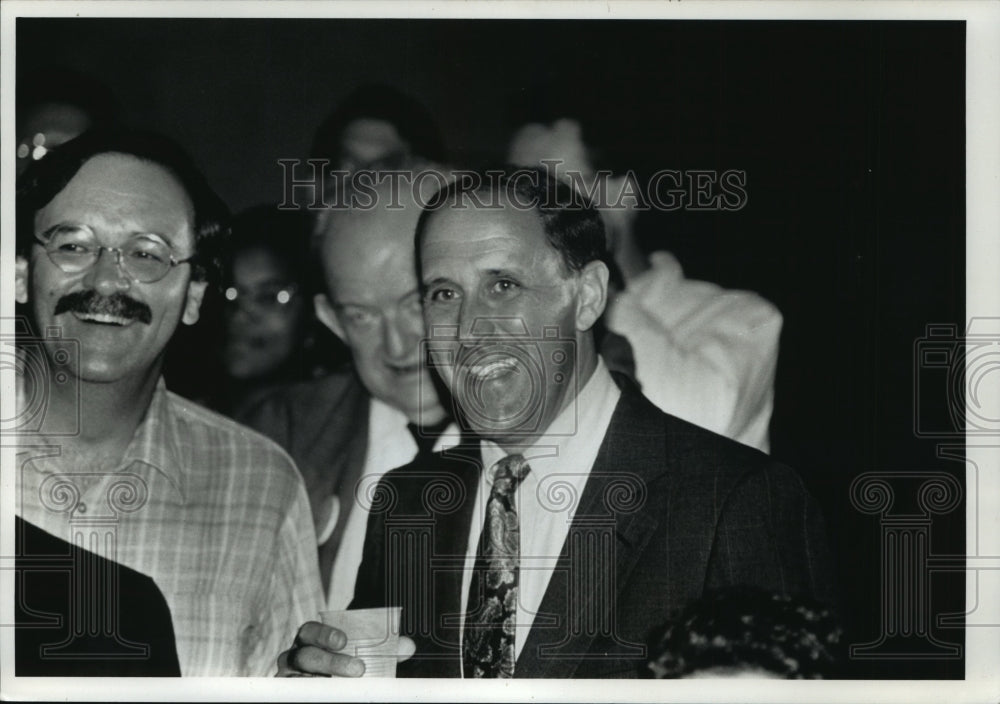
366	239
372	299
373	236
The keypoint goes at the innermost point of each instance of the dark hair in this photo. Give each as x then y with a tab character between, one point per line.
45	178
379	102
741	628
282	233
572	225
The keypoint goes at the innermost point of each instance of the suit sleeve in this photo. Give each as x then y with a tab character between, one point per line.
771	535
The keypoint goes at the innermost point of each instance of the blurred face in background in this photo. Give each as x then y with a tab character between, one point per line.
370	143
264	314
45	127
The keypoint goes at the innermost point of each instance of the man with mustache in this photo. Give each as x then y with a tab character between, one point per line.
117	242
584	516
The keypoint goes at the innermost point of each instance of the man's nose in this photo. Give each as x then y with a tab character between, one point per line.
107	276
476	322
401	335
240	313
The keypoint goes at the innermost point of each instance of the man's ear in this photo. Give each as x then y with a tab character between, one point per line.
592	296
192	305
327	315
21	280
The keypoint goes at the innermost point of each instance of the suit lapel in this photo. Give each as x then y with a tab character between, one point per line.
436	499
607	536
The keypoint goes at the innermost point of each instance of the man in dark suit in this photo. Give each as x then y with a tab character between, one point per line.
584	516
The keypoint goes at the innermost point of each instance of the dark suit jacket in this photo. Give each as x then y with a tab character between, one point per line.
670	510
323	425
125	630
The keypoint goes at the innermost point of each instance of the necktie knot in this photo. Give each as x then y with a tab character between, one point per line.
508	473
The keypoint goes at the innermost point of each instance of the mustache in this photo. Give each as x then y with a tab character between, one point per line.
90	302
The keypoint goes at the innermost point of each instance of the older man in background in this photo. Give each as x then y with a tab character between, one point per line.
346	429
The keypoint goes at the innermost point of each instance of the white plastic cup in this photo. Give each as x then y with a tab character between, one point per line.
372	635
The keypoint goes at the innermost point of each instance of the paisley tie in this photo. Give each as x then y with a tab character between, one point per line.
488	638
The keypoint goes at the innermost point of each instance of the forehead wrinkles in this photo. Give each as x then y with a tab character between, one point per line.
470	233
493	252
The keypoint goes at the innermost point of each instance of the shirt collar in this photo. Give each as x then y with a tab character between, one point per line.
389	425
156	442
569	444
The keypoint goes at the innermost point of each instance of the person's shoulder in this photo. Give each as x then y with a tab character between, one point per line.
710	460
693	455
340	389
205	430
728	308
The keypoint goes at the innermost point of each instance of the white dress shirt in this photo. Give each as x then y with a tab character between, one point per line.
390	445
547	498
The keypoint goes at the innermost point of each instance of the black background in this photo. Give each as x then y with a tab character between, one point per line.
851	135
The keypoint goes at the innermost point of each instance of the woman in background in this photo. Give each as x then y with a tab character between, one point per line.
262	328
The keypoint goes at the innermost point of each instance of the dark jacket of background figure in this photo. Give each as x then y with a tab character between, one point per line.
54	637
670	510
323	425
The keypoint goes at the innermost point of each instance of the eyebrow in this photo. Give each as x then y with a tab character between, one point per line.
502	272
348	304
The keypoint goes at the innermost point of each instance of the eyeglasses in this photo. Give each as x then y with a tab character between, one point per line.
265	299
74	249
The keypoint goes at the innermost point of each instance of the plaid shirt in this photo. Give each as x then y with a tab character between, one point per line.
215	513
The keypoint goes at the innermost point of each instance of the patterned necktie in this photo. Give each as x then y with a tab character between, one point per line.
488	638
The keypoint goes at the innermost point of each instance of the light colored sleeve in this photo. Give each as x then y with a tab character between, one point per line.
294	594
705	354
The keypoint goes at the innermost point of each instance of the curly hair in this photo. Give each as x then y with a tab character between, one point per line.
741	629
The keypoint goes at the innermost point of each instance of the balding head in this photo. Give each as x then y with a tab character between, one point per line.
360	242
372	299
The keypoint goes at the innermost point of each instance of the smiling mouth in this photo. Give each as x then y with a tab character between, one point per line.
404	369
103	319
